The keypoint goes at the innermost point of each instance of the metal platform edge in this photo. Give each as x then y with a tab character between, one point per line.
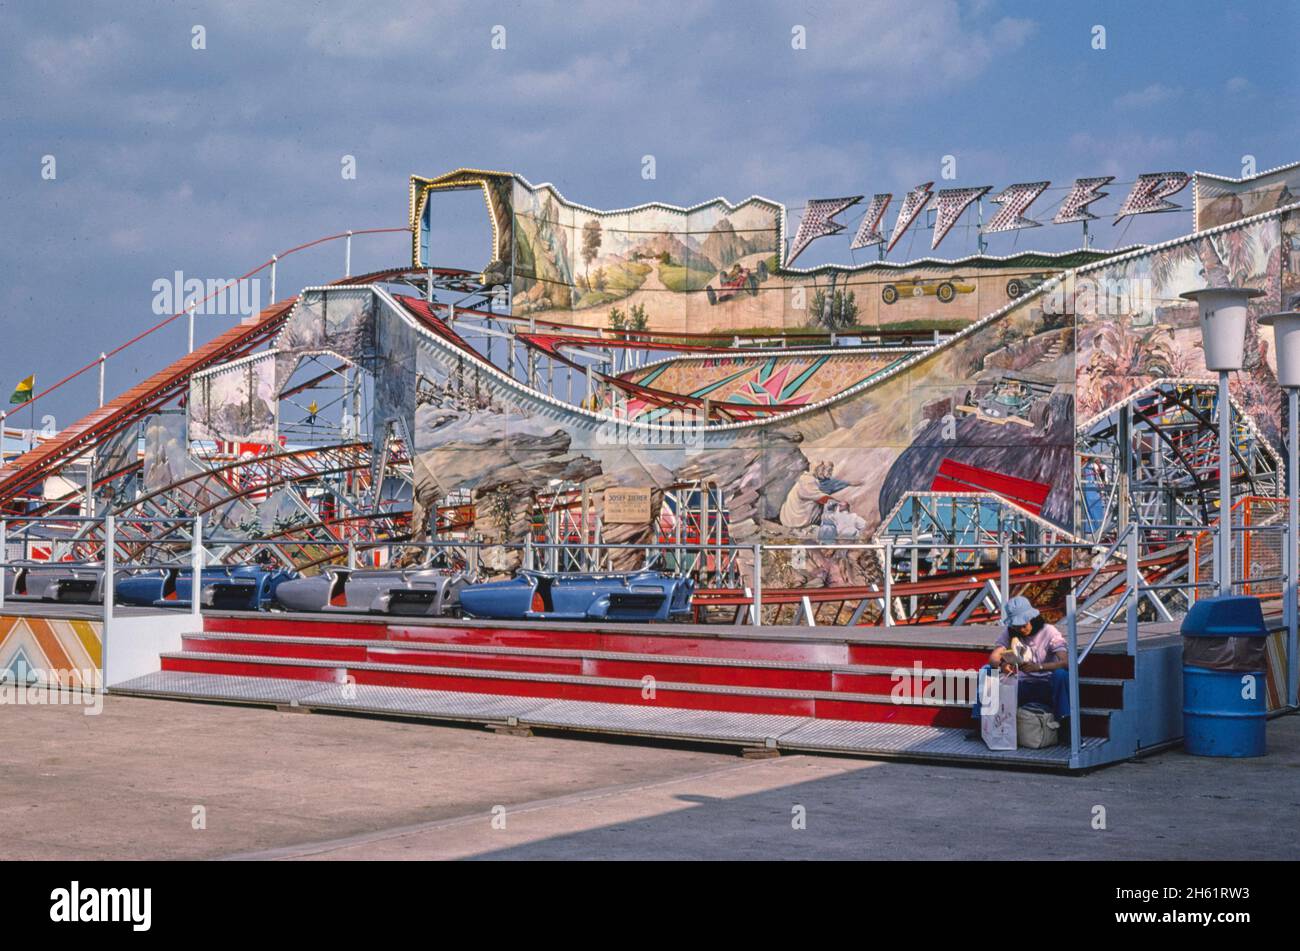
746	730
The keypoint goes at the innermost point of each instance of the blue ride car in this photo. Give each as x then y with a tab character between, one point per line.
545	596
223	587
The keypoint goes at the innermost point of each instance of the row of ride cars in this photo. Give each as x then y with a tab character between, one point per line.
427	592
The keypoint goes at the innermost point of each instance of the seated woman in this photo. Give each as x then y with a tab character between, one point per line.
1036	652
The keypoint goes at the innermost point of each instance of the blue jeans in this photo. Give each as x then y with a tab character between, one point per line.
1054	693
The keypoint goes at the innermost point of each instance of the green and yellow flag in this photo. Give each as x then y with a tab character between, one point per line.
23	391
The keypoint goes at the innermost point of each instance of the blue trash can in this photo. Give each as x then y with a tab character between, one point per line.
1224	686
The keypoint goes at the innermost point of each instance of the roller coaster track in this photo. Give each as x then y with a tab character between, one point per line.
29	469
552	346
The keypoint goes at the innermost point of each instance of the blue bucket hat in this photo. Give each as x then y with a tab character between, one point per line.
1019	611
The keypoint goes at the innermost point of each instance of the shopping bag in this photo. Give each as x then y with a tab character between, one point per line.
997	695
1036	728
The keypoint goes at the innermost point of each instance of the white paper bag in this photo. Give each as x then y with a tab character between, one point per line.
998	706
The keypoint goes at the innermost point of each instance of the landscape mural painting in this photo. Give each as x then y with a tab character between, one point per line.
718	268
713	269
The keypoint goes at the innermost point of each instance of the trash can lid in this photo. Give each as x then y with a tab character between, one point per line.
1233	616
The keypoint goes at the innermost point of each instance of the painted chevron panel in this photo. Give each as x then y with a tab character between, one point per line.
31	647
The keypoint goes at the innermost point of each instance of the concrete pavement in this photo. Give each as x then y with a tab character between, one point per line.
161	779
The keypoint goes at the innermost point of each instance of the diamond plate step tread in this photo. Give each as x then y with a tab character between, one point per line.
662	721
913	740
785	732
414	701
179	683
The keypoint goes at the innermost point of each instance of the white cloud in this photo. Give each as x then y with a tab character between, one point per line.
902	50
1153	95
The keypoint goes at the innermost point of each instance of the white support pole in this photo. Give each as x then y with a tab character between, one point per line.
758	585
196	569
347	256
190	308
103	359
110	542
1292	544
1004	570
887	615
274	260
89	504
1225	486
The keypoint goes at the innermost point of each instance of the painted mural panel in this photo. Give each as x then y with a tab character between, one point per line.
755	381
340	321
394	369
1289	262
992	410
167	457
717	269
1134	328
1220	201
167	461
236	402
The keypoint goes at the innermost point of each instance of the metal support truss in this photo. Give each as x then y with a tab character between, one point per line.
1153	459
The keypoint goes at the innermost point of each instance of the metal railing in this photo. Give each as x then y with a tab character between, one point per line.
107	564
1137	592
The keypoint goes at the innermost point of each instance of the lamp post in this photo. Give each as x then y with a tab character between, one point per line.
1286	342
1223	332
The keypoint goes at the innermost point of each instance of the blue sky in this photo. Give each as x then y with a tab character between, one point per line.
207	161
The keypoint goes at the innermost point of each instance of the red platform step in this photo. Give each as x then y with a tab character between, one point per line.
736	670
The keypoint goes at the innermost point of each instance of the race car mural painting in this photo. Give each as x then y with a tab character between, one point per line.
1024	283
1009	400
944	289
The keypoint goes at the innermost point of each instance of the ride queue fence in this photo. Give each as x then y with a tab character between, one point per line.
107	564
1115	585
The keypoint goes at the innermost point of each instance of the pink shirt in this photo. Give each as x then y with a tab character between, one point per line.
1040	647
